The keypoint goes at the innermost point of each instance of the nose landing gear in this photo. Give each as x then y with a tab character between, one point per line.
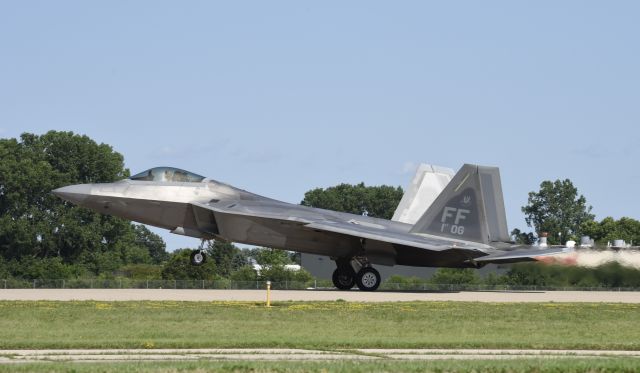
198	257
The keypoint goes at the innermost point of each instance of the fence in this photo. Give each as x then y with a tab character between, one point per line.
125	283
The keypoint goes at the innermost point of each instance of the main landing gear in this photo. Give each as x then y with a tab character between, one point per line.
345	277
368	279
198	257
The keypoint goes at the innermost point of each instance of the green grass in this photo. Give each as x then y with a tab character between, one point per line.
323	325
528	366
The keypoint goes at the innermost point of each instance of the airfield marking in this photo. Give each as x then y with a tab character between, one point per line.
82	355
316	295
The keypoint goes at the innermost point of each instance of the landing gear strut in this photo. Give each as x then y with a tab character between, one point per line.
345	277
198	257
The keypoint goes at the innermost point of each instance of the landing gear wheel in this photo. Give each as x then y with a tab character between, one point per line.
343	279
198	258
368	279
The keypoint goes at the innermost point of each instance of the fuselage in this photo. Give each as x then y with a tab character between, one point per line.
457	230
169	205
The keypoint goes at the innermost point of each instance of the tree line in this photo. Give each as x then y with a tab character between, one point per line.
44	237
610	275
41	236
560	211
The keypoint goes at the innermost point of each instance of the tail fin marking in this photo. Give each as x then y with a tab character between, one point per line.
470	208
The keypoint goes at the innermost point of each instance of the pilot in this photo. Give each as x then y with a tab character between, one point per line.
167	176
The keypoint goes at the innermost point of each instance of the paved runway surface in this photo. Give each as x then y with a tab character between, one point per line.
316	295
26	356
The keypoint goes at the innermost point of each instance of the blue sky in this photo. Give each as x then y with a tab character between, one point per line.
282	97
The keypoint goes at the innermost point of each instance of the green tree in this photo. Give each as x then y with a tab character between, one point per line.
141	271
278	273
179	267
268	257
523	238
529	274
457	276
153	243
412	282
610	275
273	262
240	260
558	210
36	224
378	201
228	257
609	229
44	268
245	273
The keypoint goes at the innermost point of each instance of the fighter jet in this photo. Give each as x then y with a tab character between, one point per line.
464	227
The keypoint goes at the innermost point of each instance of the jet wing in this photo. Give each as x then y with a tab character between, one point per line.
326	221
383	235
315	221
267	209
522	255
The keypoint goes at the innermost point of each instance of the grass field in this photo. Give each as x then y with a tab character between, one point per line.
322	325
529	366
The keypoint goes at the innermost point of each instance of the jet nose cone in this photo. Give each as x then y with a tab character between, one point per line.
74	193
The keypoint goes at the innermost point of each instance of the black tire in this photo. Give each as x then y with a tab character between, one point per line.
343	279
368	279
198	258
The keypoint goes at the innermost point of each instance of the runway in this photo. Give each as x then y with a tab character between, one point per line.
113	355
316	295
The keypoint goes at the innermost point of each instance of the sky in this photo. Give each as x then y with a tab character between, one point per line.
280	97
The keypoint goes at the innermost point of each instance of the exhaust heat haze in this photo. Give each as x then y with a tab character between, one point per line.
593	258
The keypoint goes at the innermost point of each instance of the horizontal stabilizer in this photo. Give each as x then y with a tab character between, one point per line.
522	255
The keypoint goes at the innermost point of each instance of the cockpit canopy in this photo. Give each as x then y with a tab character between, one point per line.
167	174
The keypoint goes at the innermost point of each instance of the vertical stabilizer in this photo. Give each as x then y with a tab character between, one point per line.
425	187
470	208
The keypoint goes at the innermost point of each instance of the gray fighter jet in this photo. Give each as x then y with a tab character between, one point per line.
465	227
